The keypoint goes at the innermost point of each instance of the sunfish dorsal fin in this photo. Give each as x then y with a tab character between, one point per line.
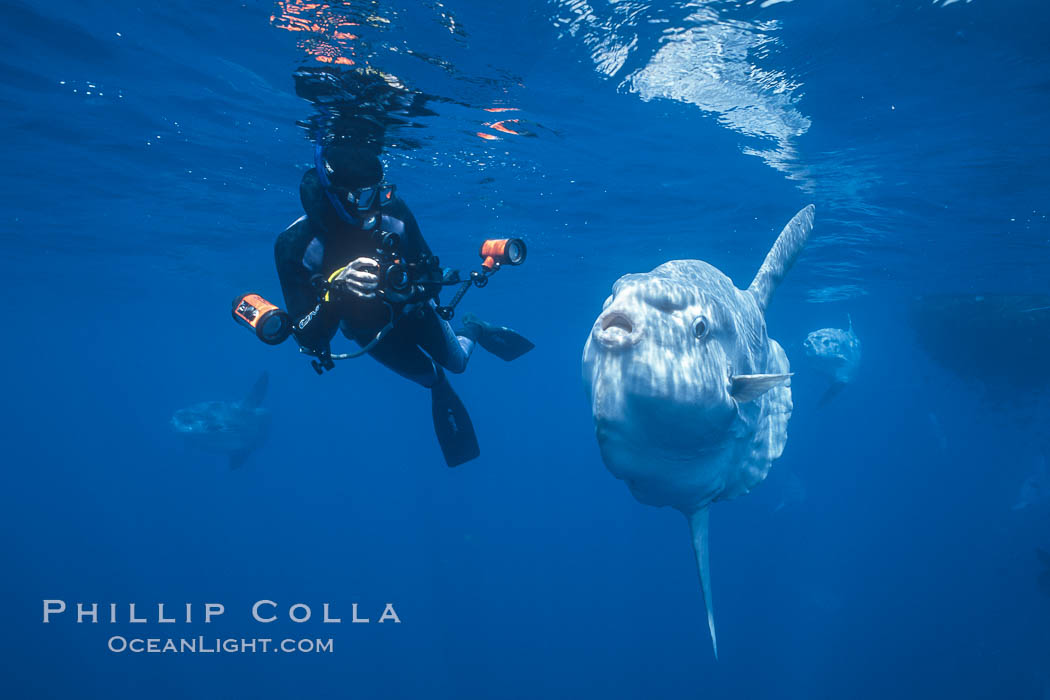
782	256
258	393
698	526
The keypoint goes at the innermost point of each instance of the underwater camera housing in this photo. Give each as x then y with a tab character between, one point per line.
393	273
398	275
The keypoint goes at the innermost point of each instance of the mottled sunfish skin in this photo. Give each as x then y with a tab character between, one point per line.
834	352
234	428
690	396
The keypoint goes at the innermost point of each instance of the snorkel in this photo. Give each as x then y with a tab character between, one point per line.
322	173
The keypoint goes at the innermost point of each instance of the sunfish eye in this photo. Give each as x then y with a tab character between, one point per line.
700	327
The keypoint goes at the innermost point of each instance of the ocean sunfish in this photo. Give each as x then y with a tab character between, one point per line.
792	492
1035	488
1044	576
998	340
836	353
690	396
234	428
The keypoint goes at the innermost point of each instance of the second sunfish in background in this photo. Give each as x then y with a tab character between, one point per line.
1035	488
233	428
835	352
1044	576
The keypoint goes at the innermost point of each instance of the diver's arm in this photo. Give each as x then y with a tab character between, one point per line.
313	325
315	329
413	245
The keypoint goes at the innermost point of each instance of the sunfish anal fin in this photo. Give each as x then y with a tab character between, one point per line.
748	387
698	526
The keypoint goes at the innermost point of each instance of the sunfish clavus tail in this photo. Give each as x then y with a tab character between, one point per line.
698	529
781	257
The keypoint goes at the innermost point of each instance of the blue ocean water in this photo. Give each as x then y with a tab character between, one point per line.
153	153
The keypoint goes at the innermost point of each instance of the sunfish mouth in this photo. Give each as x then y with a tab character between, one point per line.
615	330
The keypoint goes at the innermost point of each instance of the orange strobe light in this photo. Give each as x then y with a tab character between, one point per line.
503	251
269	323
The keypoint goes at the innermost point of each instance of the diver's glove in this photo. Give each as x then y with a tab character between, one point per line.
359	278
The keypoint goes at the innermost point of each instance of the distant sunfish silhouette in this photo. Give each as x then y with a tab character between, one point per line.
1035	488
689	394
836	353
792	491
1044	576
227	427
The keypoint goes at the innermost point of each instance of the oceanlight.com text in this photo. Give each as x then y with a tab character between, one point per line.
217	645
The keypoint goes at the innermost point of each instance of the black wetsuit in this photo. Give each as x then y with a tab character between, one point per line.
320	243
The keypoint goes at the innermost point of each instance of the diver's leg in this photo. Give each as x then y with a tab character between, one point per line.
435	335
399	352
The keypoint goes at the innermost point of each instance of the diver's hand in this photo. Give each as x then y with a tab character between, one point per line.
359	278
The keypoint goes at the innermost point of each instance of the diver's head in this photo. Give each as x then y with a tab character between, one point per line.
349	168
352	178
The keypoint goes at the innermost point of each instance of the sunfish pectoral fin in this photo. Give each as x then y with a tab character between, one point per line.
748	387
258	393
782	256
698	526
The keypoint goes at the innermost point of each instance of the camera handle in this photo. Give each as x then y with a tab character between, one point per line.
477	279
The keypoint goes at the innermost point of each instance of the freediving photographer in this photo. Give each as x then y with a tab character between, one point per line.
357	262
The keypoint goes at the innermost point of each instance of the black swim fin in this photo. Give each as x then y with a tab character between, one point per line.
501	341
455	432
